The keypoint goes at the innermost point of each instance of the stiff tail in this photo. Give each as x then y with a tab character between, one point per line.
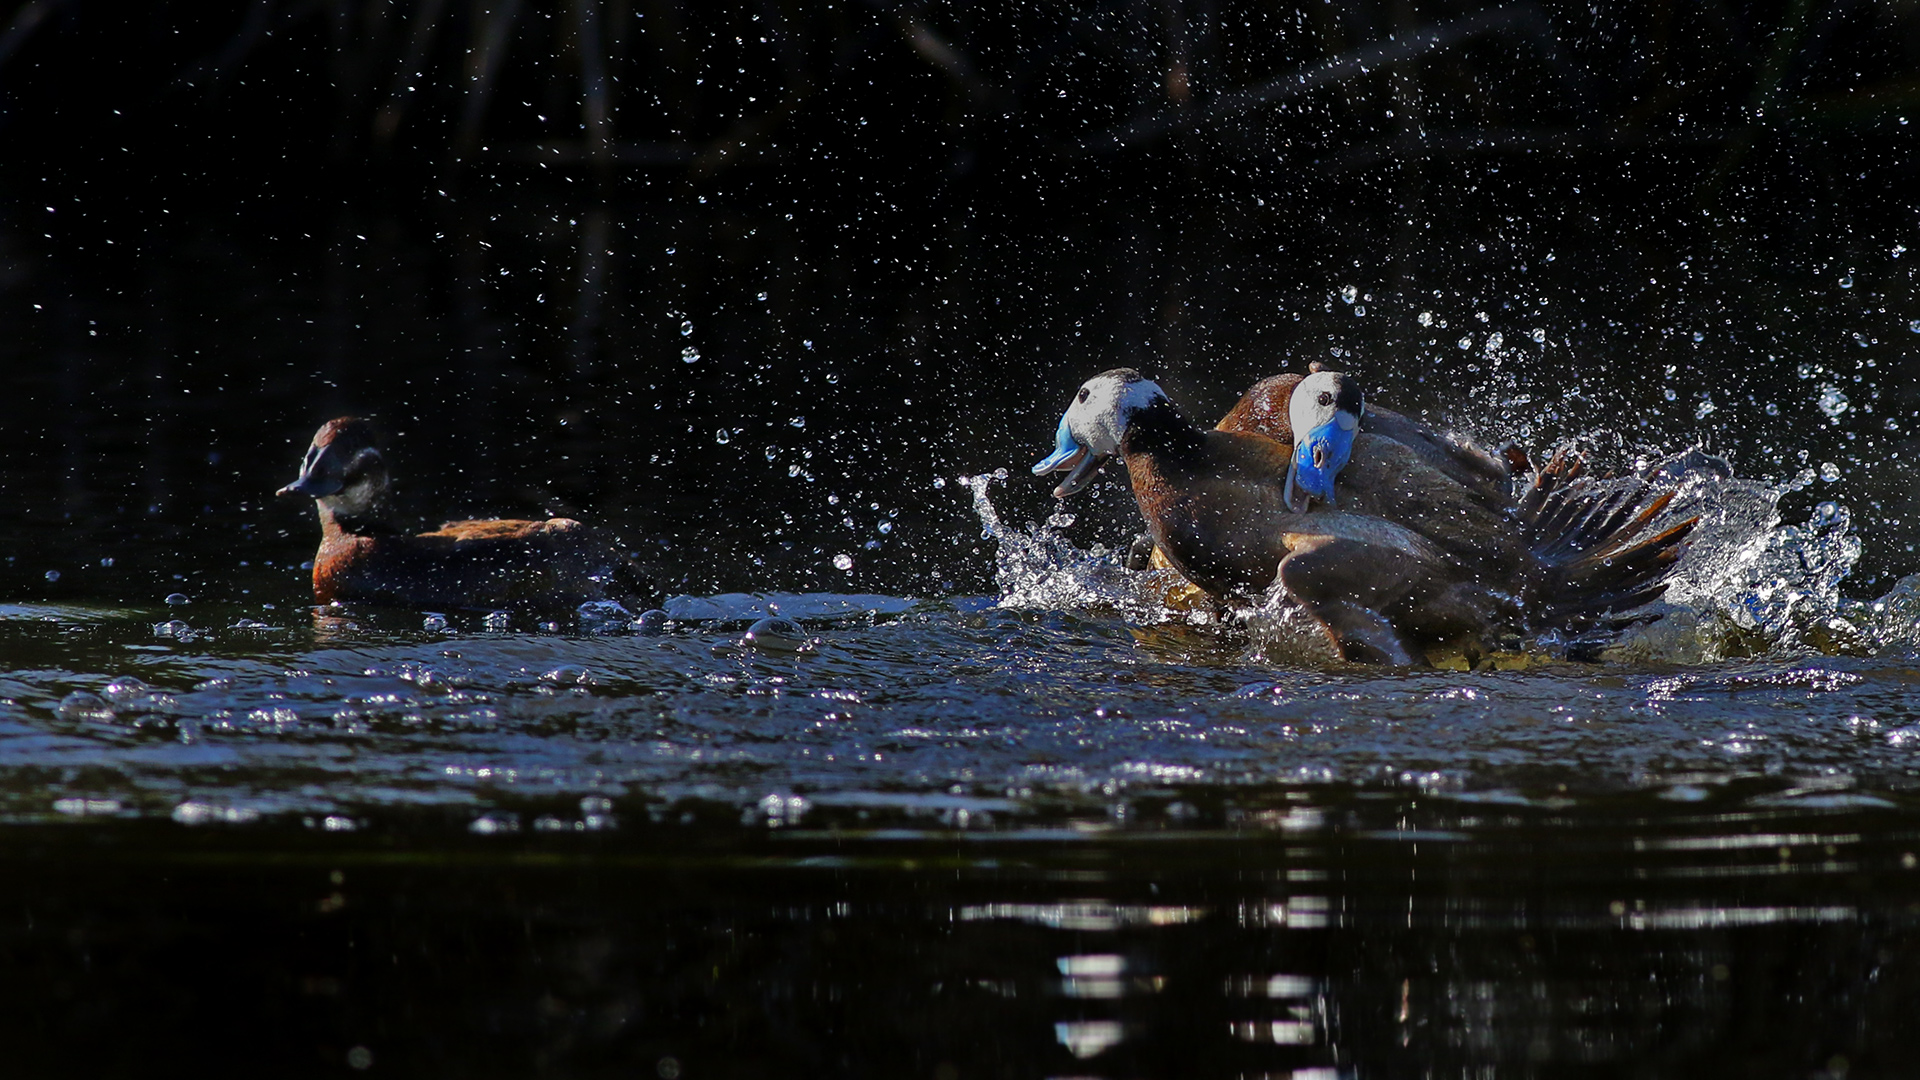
1591	540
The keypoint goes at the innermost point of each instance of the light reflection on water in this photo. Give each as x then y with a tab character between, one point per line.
1340	928
957	713
1035	842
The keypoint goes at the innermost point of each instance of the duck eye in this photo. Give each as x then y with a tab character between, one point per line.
1084	395
1326	399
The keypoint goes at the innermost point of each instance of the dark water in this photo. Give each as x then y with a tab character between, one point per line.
1323	932
996	812
996	808
940	838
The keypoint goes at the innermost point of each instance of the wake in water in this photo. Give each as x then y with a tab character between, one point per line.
1748	586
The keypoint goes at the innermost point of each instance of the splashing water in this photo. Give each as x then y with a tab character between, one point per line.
1748	585
1037	568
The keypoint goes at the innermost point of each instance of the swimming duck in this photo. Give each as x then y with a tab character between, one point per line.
1272	408
548	565
1406	557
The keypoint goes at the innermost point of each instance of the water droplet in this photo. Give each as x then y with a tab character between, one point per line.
886	528
1539	336
179	598
1699	335
434	623
1847	282
1671	394
797	422
776	634
1360	309
760	296
686	327
53	575
1829	472
497	620
939	482
720	436
128	690
602	617
83	705
843	561
1466	343
1494	341
1349	293
652	621
690	355
1425	319
1833	402
1914	326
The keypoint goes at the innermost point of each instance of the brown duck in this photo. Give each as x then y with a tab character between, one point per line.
542	566
1407	556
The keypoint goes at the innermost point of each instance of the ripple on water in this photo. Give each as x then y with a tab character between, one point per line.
1078	697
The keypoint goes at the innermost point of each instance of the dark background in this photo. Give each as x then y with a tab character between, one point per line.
896	236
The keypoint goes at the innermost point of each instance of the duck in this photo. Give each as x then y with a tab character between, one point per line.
540	566
1369	535
1271	406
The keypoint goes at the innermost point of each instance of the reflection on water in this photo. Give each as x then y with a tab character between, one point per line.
1404	935
948	839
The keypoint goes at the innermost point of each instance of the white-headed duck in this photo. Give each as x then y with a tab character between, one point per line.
1407	557
544	566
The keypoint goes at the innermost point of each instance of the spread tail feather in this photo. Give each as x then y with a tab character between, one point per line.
1589	540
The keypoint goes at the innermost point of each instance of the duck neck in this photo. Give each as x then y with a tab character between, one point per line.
1159	430
358	521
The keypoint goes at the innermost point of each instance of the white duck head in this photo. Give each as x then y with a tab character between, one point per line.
1094	424
1325	413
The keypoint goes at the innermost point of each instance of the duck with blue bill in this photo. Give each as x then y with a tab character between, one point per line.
1401	555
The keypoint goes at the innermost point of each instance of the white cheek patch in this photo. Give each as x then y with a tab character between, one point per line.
1099	422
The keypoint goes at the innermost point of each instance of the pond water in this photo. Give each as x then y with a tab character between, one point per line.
1057	830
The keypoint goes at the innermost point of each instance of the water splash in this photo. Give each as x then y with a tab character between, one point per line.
1748	586
1037	568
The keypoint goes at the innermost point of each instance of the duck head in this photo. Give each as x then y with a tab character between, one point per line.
1094	424
343	469
1325	413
